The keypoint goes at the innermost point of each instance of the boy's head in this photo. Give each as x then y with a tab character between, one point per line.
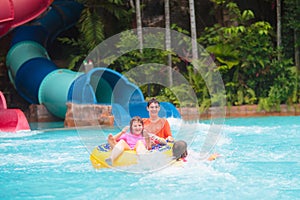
179	149
154	101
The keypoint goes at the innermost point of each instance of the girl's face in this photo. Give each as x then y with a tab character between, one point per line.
137	128
153	109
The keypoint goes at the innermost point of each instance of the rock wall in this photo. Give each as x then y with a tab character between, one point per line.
39	113
88	115
94	115
239	111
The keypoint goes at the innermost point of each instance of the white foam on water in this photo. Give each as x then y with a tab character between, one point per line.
19	134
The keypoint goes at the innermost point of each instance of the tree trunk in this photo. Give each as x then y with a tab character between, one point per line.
296	39
297	53
278	13
168	39
193	29
139	24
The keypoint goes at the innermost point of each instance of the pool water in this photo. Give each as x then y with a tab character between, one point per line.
260	159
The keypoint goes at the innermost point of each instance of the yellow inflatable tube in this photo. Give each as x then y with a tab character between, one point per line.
128	157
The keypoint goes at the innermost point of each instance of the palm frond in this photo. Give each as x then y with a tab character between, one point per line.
91	29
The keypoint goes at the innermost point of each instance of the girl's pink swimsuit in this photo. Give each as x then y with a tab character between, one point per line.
132	139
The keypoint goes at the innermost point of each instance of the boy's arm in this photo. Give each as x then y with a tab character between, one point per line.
167	130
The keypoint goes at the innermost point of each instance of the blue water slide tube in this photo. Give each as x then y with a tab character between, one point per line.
54	89
22	52
106	86
38	80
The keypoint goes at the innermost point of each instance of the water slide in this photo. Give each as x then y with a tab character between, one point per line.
11	120
15	12
39	81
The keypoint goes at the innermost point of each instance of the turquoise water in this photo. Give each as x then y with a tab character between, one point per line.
260	159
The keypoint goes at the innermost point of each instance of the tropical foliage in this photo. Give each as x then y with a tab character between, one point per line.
243	49
91	27
247	59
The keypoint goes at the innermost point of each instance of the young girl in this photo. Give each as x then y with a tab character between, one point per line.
128	141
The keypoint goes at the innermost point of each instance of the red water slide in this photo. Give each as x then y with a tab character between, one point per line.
11	120
14	13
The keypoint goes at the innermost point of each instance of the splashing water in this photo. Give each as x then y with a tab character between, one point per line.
259	160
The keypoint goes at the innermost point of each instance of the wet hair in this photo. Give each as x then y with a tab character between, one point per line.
152	100
179	149
136	119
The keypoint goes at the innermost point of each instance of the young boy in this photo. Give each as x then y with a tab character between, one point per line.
179	150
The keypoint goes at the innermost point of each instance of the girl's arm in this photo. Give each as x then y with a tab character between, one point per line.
118	135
